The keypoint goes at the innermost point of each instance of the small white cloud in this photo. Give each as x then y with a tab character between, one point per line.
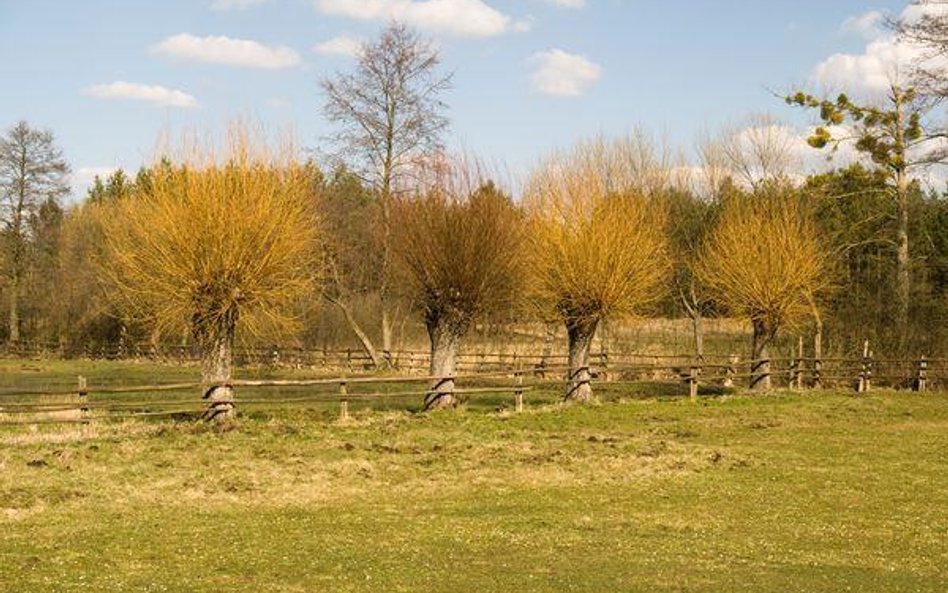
563	74
235	4
227	51
868	25
463	18
85	176
568	3
158	95
340	45
278	103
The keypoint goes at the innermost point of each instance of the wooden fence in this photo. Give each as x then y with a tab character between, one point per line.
88	403
499	375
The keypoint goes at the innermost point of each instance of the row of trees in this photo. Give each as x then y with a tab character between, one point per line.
212	243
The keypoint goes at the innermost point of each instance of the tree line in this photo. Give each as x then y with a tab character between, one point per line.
241	239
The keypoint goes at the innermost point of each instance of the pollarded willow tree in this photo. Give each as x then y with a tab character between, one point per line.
459	246
765	262
223	240
597	244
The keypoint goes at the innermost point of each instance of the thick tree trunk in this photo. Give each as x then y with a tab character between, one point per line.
444	350
387	325
216	368
579	386
760	363
697	328
14	309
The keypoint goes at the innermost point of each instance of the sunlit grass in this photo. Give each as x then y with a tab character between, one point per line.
785	492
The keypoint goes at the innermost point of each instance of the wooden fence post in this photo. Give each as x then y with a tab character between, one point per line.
799	367
862	384
83	397
730	371
921	376
349	359
343	401
693	382
818	360
518	392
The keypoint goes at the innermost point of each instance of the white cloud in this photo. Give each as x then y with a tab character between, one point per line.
872	71
568	3
885	58
158	95
464	18
340	45
227	51
563	74
868	25
235	4
84	176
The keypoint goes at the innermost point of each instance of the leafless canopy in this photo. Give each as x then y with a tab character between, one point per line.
924	24
389	111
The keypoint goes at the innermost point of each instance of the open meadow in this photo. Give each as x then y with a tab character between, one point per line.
814	491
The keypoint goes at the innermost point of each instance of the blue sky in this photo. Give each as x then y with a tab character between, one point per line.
675	68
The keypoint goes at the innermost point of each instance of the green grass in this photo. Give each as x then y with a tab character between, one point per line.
786	492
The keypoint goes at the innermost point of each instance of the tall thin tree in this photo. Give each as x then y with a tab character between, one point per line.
389	113
33	171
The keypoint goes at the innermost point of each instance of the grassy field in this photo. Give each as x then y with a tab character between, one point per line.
786	492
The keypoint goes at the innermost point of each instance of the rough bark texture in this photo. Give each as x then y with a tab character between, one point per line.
444	349
579	387
760	365
216	368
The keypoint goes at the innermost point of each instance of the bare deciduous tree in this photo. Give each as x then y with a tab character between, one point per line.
597	242
32	171
764	261
389	113
756	152
218	242
460	248
923	29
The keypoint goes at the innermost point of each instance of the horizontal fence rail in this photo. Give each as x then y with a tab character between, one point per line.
479	373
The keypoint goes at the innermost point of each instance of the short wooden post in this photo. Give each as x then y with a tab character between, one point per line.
693	383
818	360
349	359
83	396
343	401
862	384
603	365
518	393
792	372
921	375
730	371
799	369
